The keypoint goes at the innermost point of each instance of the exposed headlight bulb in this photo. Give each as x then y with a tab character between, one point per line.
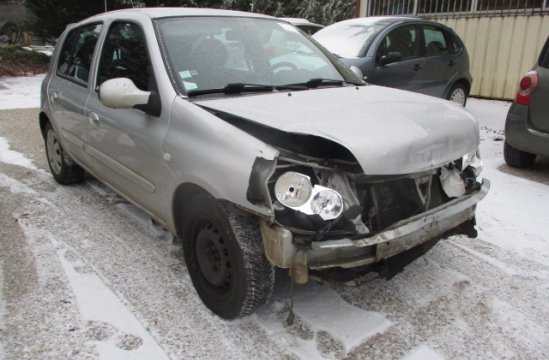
293	189
327	203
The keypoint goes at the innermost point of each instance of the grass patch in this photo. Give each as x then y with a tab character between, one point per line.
15	61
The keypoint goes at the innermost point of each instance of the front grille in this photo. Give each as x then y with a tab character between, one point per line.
390	201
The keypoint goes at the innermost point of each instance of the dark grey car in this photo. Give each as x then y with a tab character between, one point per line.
527	124
402	52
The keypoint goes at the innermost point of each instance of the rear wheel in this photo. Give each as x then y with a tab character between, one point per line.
225	257
458	94
63	169
517	158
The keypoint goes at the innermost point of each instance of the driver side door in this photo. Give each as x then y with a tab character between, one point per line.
407	72
126	144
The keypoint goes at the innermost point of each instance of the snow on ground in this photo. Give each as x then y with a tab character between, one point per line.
13	157
481	298
20	92
422	352
119	331
505	216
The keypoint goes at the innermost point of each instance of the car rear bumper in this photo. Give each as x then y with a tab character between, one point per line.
348	253
521	136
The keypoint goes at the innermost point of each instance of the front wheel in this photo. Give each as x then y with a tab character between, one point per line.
63	169
225	257
458	94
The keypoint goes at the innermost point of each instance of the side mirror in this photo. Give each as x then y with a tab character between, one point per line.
121	93
390	58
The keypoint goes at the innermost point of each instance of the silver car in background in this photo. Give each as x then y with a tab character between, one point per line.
256	148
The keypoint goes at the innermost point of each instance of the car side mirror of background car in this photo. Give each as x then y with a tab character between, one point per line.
390	58
121	93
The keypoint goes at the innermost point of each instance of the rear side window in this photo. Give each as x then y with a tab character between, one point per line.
435	41
77	53
544	57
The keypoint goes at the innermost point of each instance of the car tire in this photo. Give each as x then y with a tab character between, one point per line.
517	158
63	169
458	94
225	257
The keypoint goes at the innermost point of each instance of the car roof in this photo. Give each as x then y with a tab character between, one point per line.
388	20
299	21
166	12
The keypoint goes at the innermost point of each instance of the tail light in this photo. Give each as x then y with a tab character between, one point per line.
528	84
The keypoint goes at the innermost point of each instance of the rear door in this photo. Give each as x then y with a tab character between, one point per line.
69	88
539	106
407	73
441	60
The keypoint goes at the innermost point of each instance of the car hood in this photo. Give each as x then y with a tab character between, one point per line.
388	131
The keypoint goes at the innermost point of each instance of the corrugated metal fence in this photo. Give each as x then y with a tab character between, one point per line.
503	37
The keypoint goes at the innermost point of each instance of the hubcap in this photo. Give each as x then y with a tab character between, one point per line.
213	257
54	152
458	96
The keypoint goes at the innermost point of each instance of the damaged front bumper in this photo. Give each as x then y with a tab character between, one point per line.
349	253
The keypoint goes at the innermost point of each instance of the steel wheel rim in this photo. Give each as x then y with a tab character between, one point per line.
55	157
458	96
213	259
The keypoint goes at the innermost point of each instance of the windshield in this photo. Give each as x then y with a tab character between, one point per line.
347	38
211	52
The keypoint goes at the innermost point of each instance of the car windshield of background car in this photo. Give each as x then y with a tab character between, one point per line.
348	39
211	52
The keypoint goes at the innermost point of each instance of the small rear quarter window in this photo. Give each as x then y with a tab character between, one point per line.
544	57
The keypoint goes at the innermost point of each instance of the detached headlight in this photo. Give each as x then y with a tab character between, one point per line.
295	191
327	203
473	160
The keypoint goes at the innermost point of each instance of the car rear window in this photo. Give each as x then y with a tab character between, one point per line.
544	57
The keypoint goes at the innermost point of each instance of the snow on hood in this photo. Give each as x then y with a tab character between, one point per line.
389	131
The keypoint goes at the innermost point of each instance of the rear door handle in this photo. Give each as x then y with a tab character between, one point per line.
93	118
417	67
451	63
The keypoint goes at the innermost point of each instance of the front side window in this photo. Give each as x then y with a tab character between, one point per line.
77	53
125	55
210	52
402	40
435	41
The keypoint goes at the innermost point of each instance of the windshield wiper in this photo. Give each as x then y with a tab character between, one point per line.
316	82
233	88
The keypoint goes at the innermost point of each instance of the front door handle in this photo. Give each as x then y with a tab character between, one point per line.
54	96
418	67
93	118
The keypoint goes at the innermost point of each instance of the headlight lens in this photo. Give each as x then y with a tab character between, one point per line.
293	189
327	203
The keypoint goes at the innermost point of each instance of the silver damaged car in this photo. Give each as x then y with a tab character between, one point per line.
257	148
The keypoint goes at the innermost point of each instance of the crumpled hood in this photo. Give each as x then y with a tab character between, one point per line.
389	131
